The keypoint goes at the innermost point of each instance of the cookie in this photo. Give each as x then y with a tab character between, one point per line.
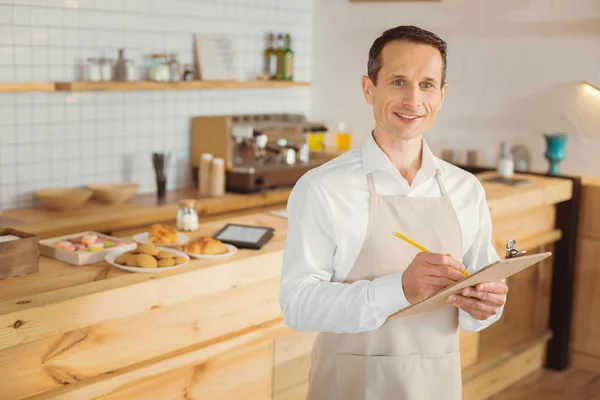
165	254
131	260
148	249
179	260
146	261
122	259
166	262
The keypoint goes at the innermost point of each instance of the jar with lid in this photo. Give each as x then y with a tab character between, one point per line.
106	69
158	70
92	71
187	217
174	68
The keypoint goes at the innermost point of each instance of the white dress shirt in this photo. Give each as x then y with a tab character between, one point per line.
328	213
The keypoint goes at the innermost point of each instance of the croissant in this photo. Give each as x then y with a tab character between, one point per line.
205	245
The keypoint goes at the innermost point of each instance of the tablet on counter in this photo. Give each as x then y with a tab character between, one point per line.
245	236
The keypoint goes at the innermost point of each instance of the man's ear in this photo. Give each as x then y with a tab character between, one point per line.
367	87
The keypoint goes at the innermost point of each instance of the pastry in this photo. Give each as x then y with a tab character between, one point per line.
148	249
165	254
179	260
166	262
132	260
146	261
205	245
122	259
213	246
162	234
95	246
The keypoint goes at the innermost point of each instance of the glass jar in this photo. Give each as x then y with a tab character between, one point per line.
159	70
174	68
187	217
92	71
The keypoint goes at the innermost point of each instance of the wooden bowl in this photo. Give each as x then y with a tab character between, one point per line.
114	193
65	198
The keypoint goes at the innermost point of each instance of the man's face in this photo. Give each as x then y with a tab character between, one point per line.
409	91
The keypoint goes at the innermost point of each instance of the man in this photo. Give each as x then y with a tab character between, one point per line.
344	272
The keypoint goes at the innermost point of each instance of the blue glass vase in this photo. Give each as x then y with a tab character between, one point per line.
555	151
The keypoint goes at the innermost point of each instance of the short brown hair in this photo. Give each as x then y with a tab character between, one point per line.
410	34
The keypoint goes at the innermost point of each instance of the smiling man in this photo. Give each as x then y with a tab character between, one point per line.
344	271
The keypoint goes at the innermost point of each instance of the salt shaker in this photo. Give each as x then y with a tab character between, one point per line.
204	174
217	177
187	217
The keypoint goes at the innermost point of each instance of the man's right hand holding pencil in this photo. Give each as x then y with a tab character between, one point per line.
429	273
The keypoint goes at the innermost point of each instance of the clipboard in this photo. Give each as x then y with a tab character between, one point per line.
494	272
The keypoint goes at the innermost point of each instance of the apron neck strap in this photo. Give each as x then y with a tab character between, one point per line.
371	184
438	176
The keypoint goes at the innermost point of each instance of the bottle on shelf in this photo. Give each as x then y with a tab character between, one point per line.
506	166
286	70
279	54
270	57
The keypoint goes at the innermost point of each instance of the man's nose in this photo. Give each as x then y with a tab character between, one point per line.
412	97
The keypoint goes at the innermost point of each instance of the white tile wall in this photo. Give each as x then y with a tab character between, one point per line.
73	139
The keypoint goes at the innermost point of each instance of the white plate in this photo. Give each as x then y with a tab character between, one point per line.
111	256
231	250
143	238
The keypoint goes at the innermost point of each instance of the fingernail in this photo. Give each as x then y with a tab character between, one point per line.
481	287
452	299
467	291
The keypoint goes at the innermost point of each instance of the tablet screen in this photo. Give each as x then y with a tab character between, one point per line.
247	234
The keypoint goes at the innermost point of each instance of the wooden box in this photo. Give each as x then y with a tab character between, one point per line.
18	257
48	249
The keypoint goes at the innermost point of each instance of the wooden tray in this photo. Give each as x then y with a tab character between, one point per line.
48	249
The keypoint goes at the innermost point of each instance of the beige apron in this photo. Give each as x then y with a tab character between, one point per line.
414	357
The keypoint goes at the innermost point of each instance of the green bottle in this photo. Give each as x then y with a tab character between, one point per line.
286	67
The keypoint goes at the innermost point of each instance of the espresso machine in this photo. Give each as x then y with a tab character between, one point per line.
260	151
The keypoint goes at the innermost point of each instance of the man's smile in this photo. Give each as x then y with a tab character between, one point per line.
408	117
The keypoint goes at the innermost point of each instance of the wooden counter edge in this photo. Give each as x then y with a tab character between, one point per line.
25	320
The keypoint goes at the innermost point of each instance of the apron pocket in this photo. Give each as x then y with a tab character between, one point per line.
376	377
407	377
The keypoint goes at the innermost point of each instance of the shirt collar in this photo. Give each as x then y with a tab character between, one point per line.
373	158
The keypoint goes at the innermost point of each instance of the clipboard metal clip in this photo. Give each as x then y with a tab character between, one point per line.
511	251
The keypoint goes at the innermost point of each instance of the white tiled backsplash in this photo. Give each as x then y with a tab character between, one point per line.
73	139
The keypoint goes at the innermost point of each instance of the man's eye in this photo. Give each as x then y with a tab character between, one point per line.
398	82
426	85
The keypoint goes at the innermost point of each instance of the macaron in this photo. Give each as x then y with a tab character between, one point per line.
64	244
69	248
109	243
88	239
95	246
78	246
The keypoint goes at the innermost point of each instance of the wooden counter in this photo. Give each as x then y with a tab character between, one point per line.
585	353
214	330
141	210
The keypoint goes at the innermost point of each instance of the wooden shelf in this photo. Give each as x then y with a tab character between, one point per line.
184	85
14	87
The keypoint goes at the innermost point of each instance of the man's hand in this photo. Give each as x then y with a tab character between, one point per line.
429	273
482	302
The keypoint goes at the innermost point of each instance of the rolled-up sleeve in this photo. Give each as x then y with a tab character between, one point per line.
480	254
309	300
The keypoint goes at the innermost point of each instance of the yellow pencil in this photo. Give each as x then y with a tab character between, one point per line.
418	246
